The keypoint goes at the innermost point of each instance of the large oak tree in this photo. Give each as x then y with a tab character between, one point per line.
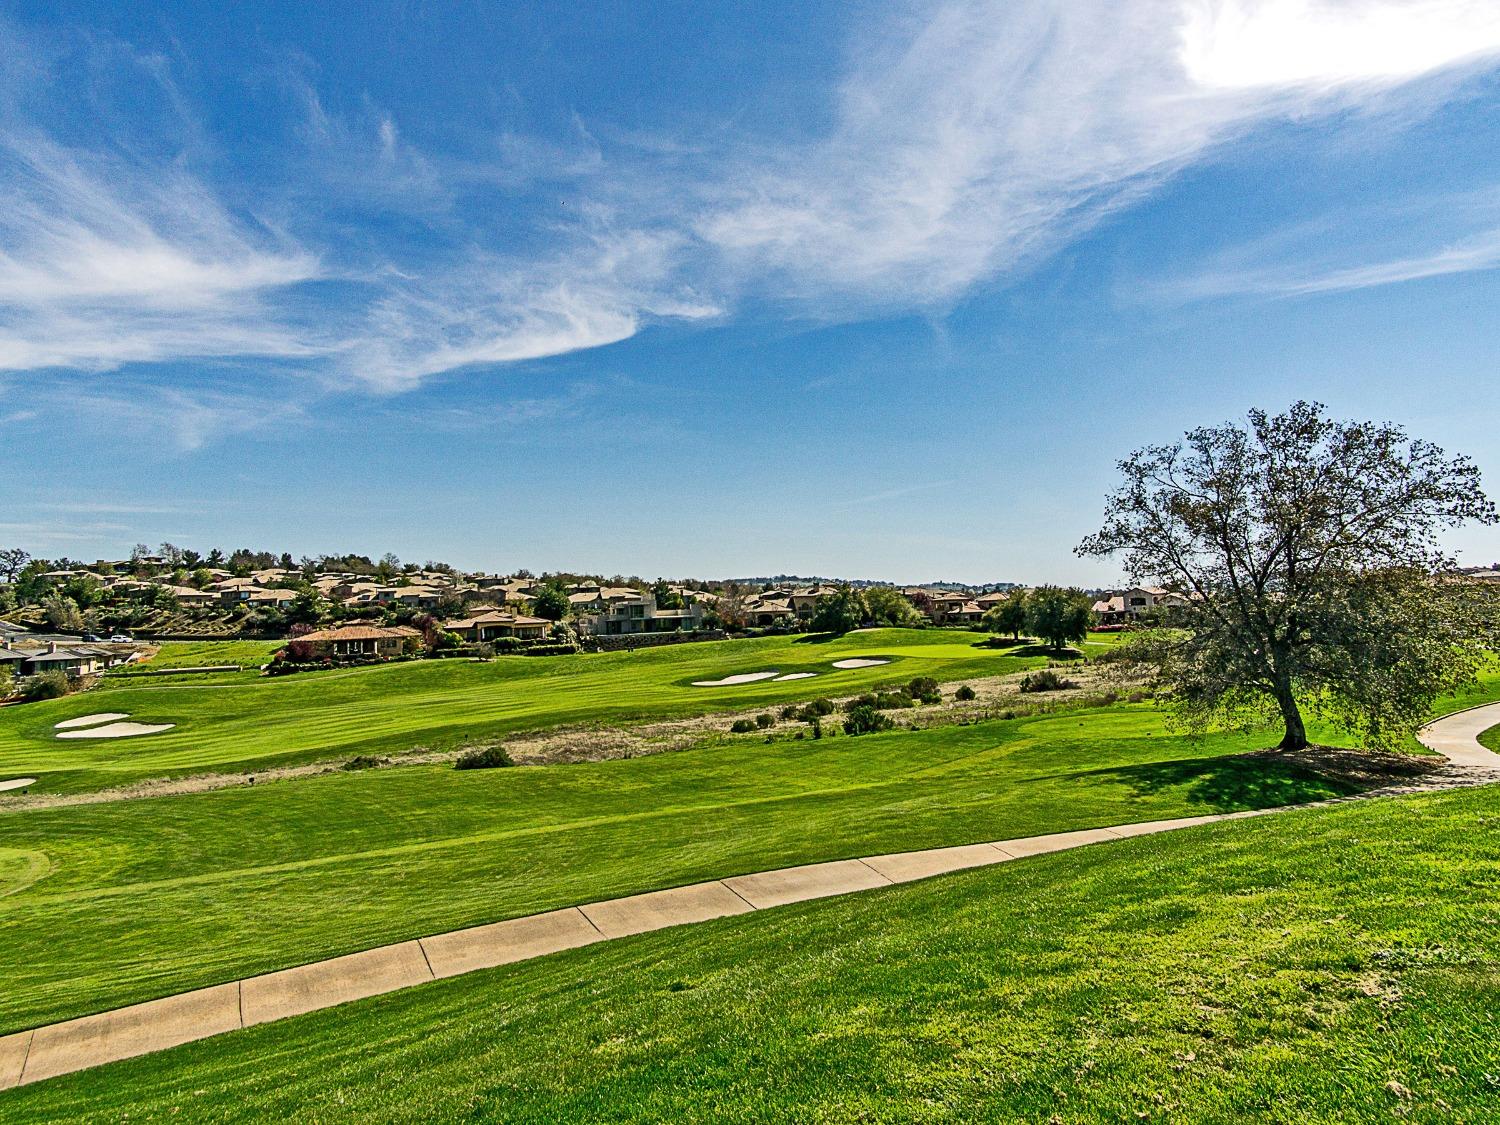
1308	551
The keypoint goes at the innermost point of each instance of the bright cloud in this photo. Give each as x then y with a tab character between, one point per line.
984	134
969	139
1249	44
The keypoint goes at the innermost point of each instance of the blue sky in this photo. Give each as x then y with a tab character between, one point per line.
858	289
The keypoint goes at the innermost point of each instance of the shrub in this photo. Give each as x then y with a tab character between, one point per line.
491	757
1137	697
46	685
506	644
924	688
363	762
742	726
866	720
817	726
893	700
765	720
964	694
789	711
1046	679
818	707
866	700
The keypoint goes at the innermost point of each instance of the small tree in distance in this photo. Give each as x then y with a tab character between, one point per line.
839	612
552	602
1307	550
1058	616
1008	616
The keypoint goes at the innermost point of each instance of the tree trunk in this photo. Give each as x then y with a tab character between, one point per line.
1295	737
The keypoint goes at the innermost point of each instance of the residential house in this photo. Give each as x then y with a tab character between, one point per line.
637	612
358	641
486	623
1137	601
804	601
76	660
764	612
191	596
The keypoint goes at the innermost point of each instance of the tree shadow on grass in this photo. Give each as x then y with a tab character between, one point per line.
819	638
1258	780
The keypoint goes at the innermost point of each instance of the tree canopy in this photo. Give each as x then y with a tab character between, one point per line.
1307	550
1008	616
887	605
839	612
552	602
1057	615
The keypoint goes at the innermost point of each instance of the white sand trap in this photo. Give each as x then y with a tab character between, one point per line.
17	783
118	730
859	662
742	678
795	676
90	720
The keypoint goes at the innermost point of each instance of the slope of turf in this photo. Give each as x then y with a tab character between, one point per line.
243	721
198	654
148	897
1340	964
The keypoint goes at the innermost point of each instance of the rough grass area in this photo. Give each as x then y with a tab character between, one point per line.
242	721
150	897
1338	964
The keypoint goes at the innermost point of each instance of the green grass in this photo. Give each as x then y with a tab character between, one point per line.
199	654
1340	964
243	721
143	898
1490	739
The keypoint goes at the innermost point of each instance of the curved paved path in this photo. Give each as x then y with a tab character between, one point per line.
60	1048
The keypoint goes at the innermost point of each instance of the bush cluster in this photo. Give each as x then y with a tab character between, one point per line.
46	685
1045	679
363	762
924	689
742	726
491	757
864	719
965	694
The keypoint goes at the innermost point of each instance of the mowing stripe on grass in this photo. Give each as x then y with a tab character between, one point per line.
61	1048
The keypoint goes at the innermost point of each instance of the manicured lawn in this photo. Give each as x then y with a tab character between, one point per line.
199	654
117	902
1329	965
243	721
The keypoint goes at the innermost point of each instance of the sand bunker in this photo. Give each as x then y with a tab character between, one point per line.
118	730
859	662
90	720
795	676
742	678
17	783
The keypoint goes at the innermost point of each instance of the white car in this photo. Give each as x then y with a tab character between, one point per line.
120	639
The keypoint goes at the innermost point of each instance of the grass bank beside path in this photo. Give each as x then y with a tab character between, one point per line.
113	903
243	721
1339	964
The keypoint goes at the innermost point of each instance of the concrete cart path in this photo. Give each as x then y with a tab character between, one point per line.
60	1048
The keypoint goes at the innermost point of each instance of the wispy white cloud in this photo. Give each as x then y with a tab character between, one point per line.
103	262
977	135
968	139
1480	252
895	493
495	310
